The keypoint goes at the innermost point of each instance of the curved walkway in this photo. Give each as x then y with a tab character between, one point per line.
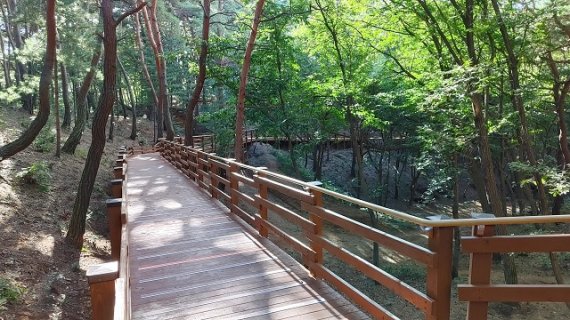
191	259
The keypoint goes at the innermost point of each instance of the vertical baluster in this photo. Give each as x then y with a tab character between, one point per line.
318	230
480	269
263	193
101	279
438	287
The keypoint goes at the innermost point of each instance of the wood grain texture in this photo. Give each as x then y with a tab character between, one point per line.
190	258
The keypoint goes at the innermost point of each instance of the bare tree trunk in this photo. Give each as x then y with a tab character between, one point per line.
133	135
82	108
143	64
189	121
38	123
76	227
65	95
56	113
240	108
152	41
161	70
455	214
111	126
5	64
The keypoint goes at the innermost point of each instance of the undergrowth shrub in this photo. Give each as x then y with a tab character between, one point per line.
36	174
45	141
407	271
9	293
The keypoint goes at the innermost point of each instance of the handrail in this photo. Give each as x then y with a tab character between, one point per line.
123	307
228	181
469	222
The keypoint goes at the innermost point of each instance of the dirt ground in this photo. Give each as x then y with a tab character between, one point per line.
46	275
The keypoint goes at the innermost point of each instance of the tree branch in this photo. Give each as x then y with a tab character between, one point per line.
138	8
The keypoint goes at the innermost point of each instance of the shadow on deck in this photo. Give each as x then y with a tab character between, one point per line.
189	236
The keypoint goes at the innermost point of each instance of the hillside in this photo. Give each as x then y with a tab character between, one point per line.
41	277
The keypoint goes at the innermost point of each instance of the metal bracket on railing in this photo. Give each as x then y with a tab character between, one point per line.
315	183
434	218
480	230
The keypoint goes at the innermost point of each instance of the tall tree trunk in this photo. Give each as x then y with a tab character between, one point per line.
189	121
161	70
560	91
5	64
82	108
526	140
143	65
111	134
474	168
17	42
152	41
240	107
28	136
220	98
65	95
455	215
133	135
76	227
495	198
56	113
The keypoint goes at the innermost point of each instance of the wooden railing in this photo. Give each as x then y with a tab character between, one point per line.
481	246
109	282
249	192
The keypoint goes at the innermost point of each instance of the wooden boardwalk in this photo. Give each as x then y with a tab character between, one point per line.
191	259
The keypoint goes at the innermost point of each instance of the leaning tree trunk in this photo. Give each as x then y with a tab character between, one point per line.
189	121
76	227
38	123
65	95
75	136
240	107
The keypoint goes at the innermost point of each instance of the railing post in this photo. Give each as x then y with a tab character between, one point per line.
122	153
199	168
118	172
438	286
115	223
213	179
234	185
480	265
318	230
101	279
117	188
263	194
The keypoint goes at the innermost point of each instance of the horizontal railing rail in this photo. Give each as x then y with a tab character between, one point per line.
256	195
481	246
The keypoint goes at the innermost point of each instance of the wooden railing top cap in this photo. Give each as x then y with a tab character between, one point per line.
468	222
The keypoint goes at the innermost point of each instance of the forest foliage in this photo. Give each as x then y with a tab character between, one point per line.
435	90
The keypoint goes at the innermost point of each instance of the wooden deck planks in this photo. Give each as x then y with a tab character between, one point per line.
191	259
